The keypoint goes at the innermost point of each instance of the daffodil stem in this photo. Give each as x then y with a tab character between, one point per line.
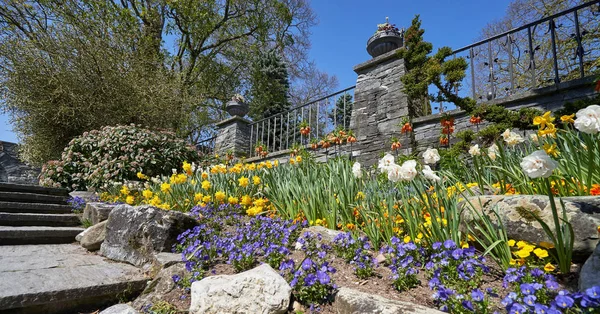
564	265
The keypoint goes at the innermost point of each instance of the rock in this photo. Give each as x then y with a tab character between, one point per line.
259	290
88	196
80	235
120	309
327	235
93	236
583	213
349	301
381	259
161	285
135	234
166	259
97	212
590	272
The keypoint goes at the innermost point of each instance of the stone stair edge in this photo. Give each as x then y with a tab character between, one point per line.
36	189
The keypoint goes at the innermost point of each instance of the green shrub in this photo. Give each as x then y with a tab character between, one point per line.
115	154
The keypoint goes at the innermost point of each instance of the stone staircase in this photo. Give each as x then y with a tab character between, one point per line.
42	270
36	215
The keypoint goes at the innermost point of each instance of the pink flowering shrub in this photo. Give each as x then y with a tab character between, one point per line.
114	154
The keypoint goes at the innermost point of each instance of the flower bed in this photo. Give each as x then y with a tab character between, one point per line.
410	210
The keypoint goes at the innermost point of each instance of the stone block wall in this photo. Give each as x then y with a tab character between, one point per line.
233	136
12	169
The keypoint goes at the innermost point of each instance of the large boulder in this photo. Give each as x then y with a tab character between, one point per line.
259	290
590	272
326	235
97	212
120	309
93	236
160	286
583	213
135	234
349	301
88	196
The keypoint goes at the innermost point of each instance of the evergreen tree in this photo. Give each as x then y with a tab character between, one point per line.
270	86
343	111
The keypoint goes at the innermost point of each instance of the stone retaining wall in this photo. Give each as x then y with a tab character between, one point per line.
12	169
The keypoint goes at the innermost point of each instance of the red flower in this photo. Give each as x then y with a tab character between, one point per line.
406	128
475	119
595	190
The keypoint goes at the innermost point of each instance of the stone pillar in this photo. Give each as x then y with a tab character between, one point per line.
233	136
379	107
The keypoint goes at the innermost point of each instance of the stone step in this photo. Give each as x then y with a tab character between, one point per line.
32	198
62	278
27	219
10	235
35	189
14	207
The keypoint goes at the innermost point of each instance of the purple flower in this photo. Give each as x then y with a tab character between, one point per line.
310	280
468	305
449	244
176	278
564	301
551	284
307	264
517	308
593	292
530	300
527	288
477	295
323	277
540	309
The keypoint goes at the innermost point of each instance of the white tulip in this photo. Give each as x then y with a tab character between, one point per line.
538	165
429	174
409	170
386	162
512	138
356	170
394	172
588	119
431	156
534	137
474	150
493	151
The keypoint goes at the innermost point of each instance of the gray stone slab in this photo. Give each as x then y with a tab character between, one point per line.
53	275
37	235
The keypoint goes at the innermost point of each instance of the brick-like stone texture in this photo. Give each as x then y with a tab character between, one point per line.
12	169
233	136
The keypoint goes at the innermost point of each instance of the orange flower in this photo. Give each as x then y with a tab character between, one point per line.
406	128
444	140
475	119
595	190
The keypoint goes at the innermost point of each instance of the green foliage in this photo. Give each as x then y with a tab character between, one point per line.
73	66
572	107
111	155
270	87
343	111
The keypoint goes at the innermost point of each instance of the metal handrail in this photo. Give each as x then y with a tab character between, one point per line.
306	104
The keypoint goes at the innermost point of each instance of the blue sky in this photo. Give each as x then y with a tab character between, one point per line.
339	40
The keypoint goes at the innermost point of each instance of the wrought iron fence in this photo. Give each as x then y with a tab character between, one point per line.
554	49
322	116
207	146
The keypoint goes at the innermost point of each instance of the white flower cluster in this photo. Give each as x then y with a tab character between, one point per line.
588	119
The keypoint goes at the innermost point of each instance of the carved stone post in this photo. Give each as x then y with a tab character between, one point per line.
379	107
233	136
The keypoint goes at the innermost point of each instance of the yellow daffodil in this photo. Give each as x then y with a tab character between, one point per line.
206	185
543	120
298	159
540	253
130	200
204	175
551	149
256	180
206	198
232	200
124	190
407	239
568	118
187	167
550	129
521	244
360	195
243	181
142	176
147	194
220	196
198	197
165	187
511	242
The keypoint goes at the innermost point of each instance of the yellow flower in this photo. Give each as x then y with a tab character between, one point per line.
470	238
298	159
246	200
124	190
360	195
147	194
198	197
549	267
130	200
512	262
464	245
549	130
540	253
204	175
155	201
187	167
511	242
522	253
142	176
165	187
269	164
206	185
256	180
243	181
521	244
232	200
178	179
220	196
276	163
254	210
568	118
551	149
292	161
206	199
260	202
472	185
407	239
546	245
543	120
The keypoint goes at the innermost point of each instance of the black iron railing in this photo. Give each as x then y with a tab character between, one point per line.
554	49
322	116
207	146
